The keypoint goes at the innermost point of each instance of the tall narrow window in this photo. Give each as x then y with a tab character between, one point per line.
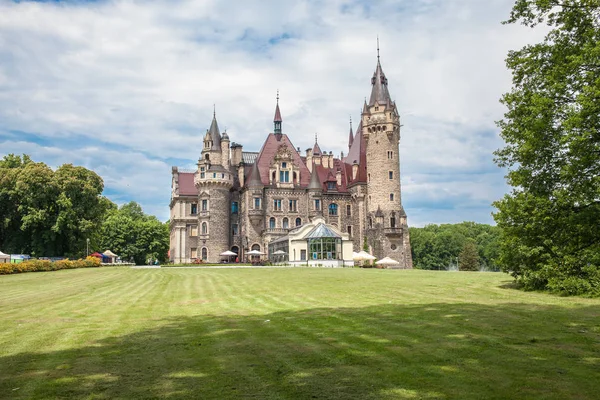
204	253
204	205
272	223
194	209
234	207
277	204
349	229
391	174
317	204
391	196
392	222
257	203
204	228
286	223
298	221
348	210
293	205
333	209
234	229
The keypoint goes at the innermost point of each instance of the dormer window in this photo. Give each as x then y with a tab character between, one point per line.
331	185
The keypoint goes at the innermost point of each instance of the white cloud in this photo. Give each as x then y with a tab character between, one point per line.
141	78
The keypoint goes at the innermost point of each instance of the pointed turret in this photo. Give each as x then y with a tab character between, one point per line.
379	92
316	148
254	180
277	119
215	135
351	135
315	182
365	109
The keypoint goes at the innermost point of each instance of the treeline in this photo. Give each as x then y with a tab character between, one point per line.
53	213
467	245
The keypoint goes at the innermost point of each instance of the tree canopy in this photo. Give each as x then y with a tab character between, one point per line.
438	246
45	212
552	132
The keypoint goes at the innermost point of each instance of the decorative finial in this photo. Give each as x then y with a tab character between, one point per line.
214	111
351	122
377	48
315	137
277	96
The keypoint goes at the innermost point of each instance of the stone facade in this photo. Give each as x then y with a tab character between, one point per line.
242	201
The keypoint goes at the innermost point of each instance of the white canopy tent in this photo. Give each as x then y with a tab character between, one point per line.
4	258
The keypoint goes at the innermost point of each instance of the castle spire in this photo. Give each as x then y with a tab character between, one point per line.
277	119
379	92
213	132
351	135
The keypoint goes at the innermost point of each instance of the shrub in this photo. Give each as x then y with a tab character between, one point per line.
46	265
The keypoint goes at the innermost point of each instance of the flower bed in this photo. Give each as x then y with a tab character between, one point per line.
46	265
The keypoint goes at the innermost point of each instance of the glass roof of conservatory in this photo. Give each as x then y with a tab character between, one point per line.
320	231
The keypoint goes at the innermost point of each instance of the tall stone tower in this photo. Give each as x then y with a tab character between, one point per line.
213	180
387	229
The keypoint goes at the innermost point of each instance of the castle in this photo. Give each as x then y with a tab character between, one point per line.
242	201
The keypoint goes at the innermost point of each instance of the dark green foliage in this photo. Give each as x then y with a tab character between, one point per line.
45	212
468	260
133	235
552	134
438	246
53	213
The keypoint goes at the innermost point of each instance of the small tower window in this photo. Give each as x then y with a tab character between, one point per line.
204	228
391	174
391	196
234	207
257	203
317	204
393	222
204	205
349	230
283	165
298	221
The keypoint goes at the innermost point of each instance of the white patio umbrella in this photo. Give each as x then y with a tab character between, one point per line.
366	256
228	253
356	256
279	253
387	261
255	253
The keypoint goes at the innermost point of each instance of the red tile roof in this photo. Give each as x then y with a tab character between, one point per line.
186	184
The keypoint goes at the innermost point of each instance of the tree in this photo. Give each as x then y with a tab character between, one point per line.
552	132
133	235
469	258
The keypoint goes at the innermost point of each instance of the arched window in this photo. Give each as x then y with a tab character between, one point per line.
236	250
207	157
272	223
333	209
204	253
204	228
285	224
256	247
298	221
392	222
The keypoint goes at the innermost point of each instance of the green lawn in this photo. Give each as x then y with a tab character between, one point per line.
291	333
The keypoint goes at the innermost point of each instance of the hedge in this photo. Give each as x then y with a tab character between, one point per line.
46	265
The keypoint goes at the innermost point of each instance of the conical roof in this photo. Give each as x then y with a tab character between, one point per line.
315	182
254	178
350	136
214	133
277	117
379	92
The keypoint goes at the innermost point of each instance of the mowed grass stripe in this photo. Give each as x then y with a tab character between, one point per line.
293	333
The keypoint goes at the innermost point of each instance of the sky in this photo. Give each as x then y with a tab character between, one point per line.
127	88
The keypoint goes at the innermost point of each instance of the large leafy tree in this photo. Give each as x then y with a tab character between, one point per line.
135	236
552	133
